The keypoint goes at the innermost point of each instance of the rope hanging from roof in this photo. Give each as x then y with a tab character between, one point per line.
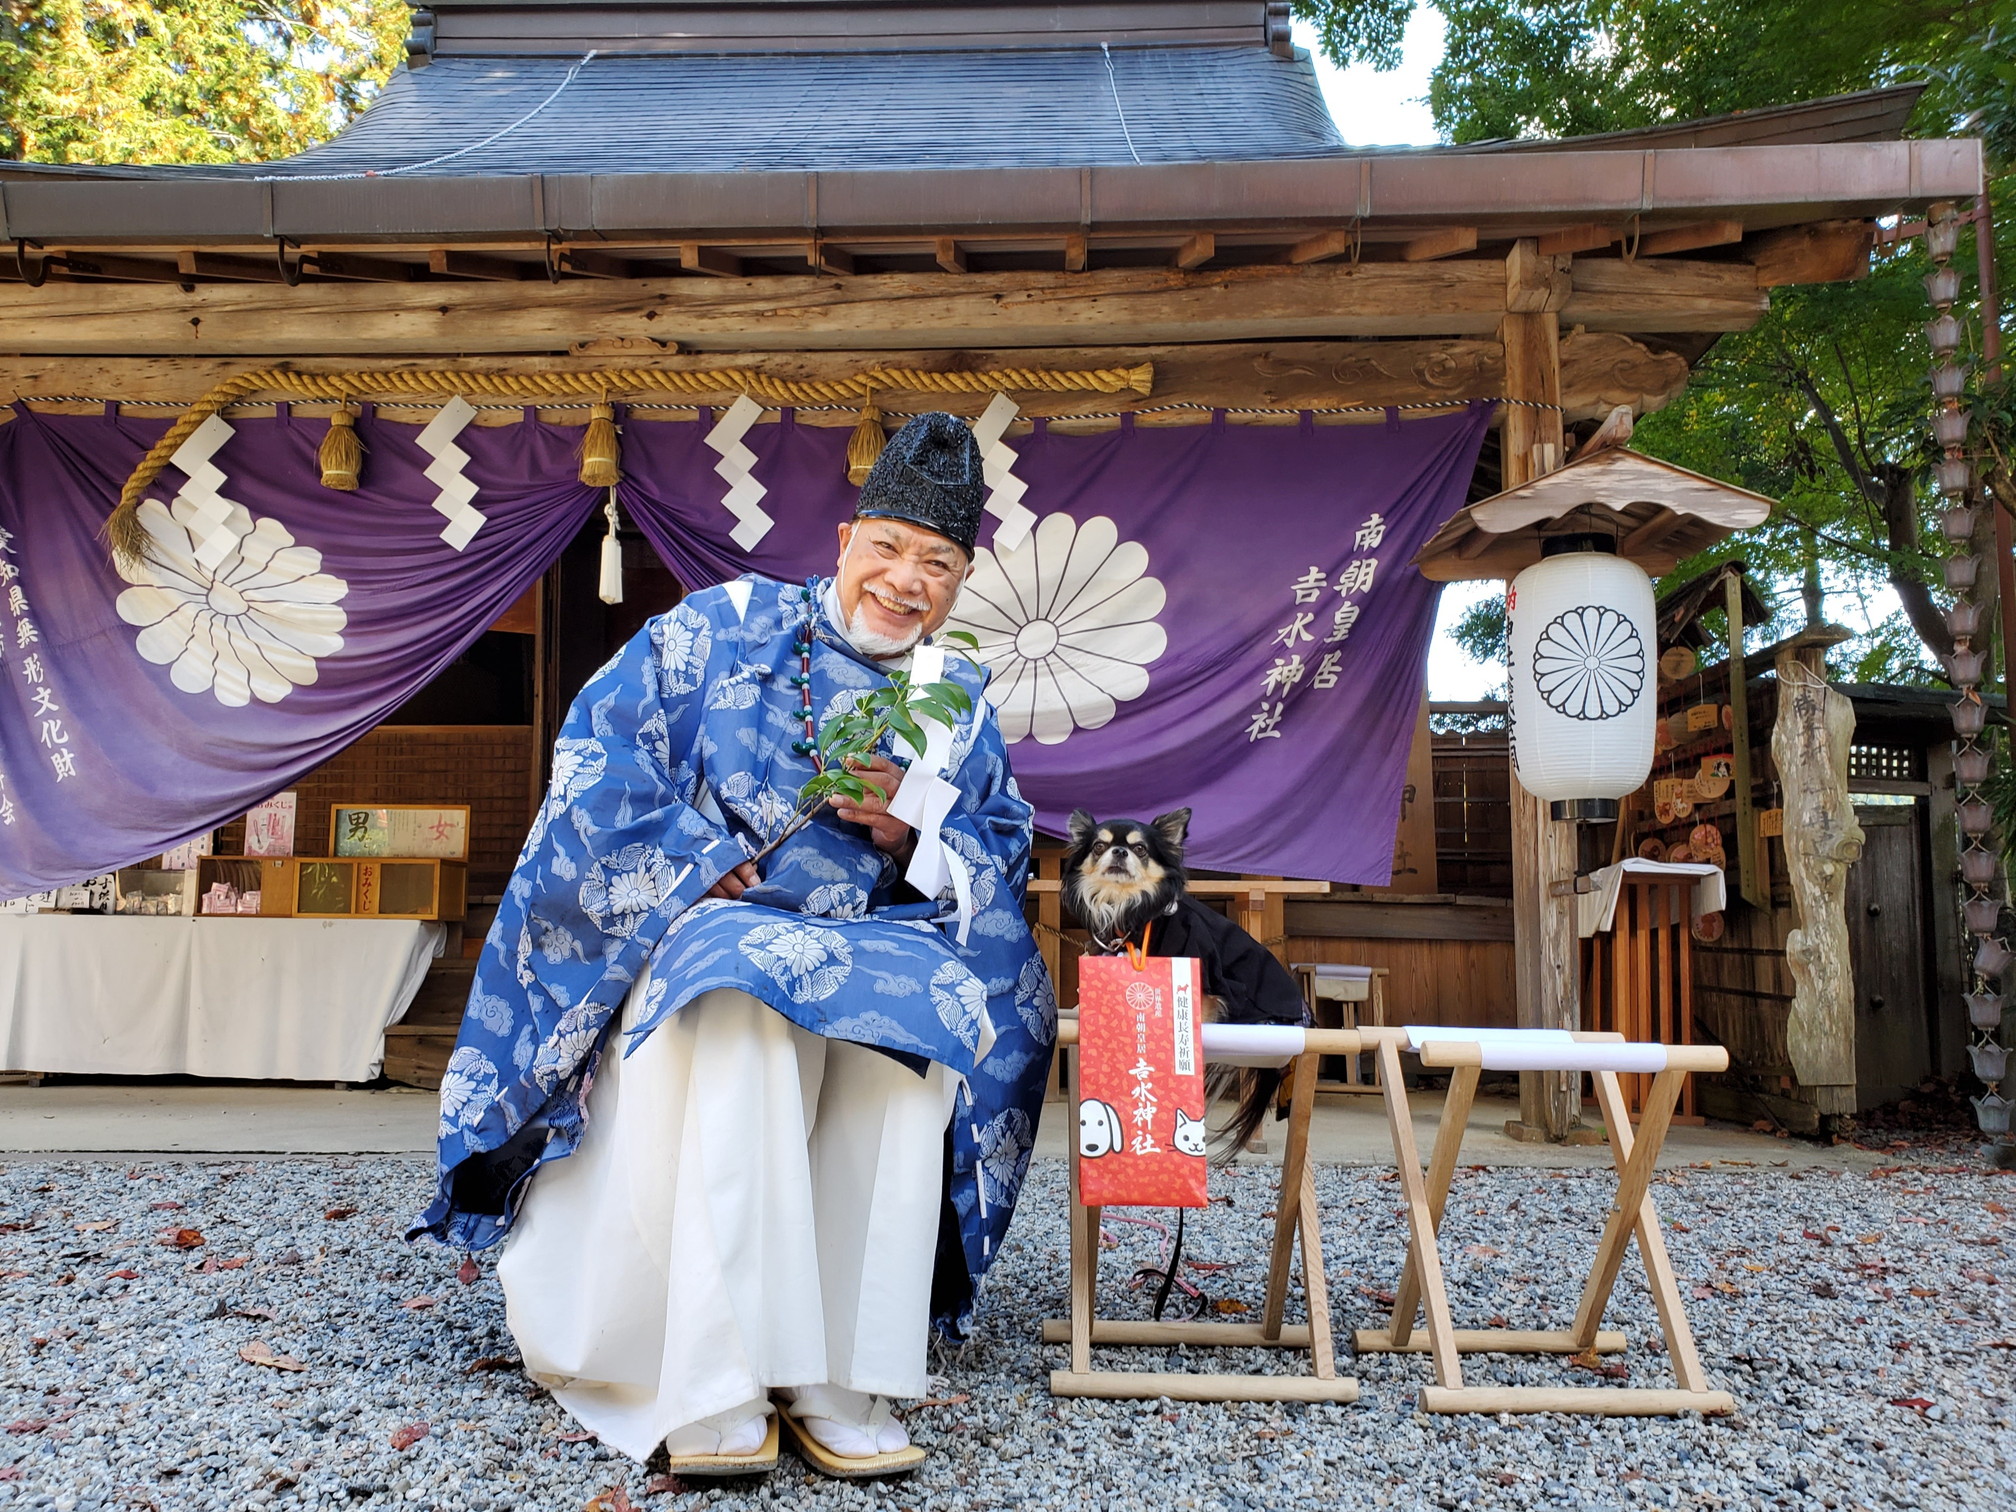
129	539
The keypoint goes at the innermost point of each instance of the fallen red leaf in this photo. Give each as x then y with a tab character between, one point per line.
337	1213
1377	1295
1484	1251
123	1275
1986	1278
411	1434
665	1485
575	1438
490	1362
11	1472
26	1425
1996	1208
181	1238
160	1205
468	1271
1230	1305
615	1499
1916	1404
12	1275
959	1400
415	1304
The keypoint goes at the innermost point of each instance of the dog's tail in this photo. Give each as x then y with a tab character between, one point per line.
1256	1091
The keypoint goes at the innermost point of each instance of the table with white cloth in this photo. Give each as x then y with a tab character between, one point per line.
259	999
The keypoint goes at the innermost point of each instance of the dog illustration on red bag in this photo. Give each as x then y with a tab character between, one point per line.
1099	1131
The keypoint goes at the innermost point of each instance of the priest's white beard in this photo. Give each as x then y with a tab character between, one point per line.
872	642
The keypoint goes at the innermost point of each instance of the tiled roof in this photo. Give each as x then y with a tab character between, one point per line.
720	112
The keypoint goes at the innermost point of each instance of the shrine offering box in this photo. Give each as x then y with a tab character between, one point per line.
140	890
1141	1106
359	887
438	831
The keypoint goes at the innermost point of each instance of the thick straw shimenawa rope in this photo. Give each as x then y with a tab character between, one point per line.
129	540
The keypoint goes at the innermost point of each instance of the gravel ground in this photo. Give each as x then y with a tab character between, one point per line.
1862	1321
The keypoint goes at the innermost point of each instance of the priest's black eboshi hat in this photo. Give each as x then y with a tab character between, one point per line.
930	475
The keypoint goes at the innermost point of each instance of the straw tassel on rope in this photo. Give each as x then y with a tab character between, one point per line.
865	445
601	455
342	453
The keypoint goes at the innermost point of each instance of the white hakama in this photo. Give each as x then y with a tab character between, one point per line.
750	1207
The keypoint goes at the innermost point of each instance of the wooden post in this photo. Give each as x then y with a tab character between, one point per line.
1543	852
1751	883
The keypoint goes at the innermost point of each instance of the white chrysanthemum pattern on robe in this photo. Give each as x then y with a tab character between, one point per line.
808	963
1004	1155
622	889
253	627
684	644
1036	1001
960	998
577	766
468	1087
1067	625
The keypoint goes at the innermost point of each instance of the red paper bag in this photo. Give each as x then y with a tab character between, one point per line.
1141	1082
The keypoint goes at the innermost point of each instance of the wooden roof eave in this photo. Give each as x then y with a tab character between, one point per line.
1666	515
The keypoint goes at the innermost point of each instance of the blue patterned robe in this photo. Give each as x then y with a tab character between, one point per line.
676	762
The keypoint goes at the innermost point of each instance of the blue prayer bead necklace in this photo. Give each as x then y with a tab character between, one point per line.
809	746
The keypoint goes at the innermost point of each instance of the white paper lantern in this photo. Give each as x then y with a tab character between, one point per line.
1584	690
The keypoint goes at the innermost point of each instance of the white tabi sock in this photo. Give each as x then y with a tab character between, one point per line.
852	1424
739	1430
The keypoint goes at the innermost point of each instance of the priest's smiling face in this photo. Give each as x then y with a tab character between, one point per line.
896	583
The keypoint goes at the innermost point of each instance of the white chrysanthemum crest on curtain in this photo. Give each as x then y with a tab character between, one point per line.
254	626
1067	624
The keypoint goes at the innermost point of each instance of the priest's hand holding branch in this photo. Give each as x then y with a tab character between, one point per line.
732	884
882	778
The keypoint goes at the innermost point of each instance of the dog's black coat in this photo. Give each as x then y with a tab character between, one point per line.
1123	878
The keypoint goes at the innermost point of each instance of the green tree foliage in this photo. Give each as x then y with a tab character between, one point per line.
187	81
1825	405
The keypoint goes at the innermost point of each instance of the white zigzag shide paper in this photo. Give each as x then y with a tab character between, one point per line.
1004	489
745	495
219	522
445	472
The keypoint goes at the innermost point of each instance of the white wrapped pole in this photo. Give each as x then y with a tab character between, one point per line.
1584	696
612	556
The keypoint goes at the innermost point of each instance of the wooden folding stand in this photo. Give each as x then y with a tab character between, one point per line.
1295	1218
1632	1214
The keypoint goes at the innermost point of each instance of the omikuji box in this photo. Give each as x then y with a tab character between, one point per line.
357	887
1141	1132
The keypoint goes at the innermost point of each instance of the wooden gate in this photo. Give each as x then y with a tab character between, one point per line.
1889	942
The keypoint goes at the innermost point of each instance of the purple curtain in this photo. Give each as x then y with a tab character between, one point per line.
1215	616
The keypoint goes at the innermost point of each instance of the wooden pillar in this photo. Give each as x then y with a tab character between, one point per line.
1545	948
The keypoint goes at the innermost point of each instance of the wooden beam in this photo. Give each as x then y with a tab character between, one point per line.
1534	281
1197	251
586	264
1664	295
1825	252
446	262
236	269
1651	533
1444	243
1076	253
89	266
1569	240
352	269
1715	233
1323	246
821	258
1598	372
696	257
950	257
1107	306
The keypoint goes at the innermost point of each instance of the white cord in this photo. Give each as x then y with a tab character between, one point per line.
446	157
1113	85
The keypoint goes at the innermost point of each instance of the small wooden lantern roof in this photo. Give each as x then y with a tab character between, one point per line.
1659	513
